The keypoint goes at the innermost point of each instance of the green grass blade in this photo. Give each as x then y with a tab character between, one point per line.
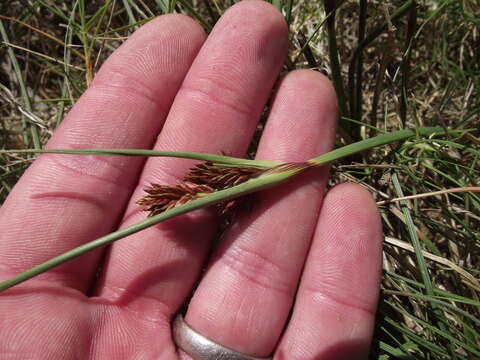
441	303
374	142
54	9
397	14
330	9
97	17
409	40
265	180
128	9
422	266
133	5
255	184
262	164
195	14
356	101
288	11
23	89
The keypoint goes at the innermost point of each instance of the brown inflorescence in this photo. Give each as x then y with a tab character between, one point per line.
202	179
162	197
220	177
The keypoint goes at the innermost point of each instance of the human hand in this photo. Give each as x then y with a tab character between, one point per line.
293	276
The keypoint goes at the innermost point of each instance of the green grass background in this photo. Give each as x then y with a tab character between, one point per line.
395	65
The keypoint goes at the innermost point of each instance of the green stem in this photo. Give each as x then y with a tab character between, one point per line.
407	55
186	4
221	159
401	11
265	180
23	89
373	142
421	263
357	100
250	186
330	9
288	11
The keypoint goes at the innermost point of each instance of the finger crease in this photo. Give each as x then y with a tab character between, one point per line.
71	195
206	97
74	170
325	297
123	298
258	269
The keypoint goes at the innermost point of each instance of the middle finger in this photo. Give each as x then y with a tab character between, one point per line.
216	110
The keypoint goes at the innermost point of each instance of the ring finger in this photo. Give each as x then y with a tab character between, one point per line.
246	294
336	301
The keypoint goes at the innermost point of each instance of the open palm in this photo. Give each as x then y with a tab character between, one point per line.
296	275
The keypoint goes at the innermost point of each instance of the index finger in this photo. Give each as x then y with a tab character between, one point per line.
67	200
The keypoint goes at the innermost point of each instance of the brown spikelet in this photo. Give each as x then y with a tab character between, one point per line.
162	197
220	177
203	178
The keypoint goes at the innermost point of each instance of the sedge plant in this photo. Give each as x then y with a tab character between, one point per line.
217	181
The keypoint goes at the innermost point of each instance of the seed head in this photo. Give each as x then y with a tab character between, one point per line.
220	177
202	179
162	197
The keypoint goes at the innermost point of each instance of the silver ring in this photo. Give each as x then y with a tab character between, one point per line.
201	348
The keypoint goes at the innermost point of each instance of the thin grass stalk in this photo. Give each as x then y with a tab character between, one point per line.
250	186
438	301
96	20
214	16
277	4
128	27
397	14
43	56
421	263
288	11
411	337
67	56
422	266
195	14
171	6
134	6
43	33
409	40
269	178
221	159
336	154
103	41
162	5
306	50
54	9
441	294
128	9
373	142
23	90
82	34
443	334
61	104
330	9
310	38
385	60
356	101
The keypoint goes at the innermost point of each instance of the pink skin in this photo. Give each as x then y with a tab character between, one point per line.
168	87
